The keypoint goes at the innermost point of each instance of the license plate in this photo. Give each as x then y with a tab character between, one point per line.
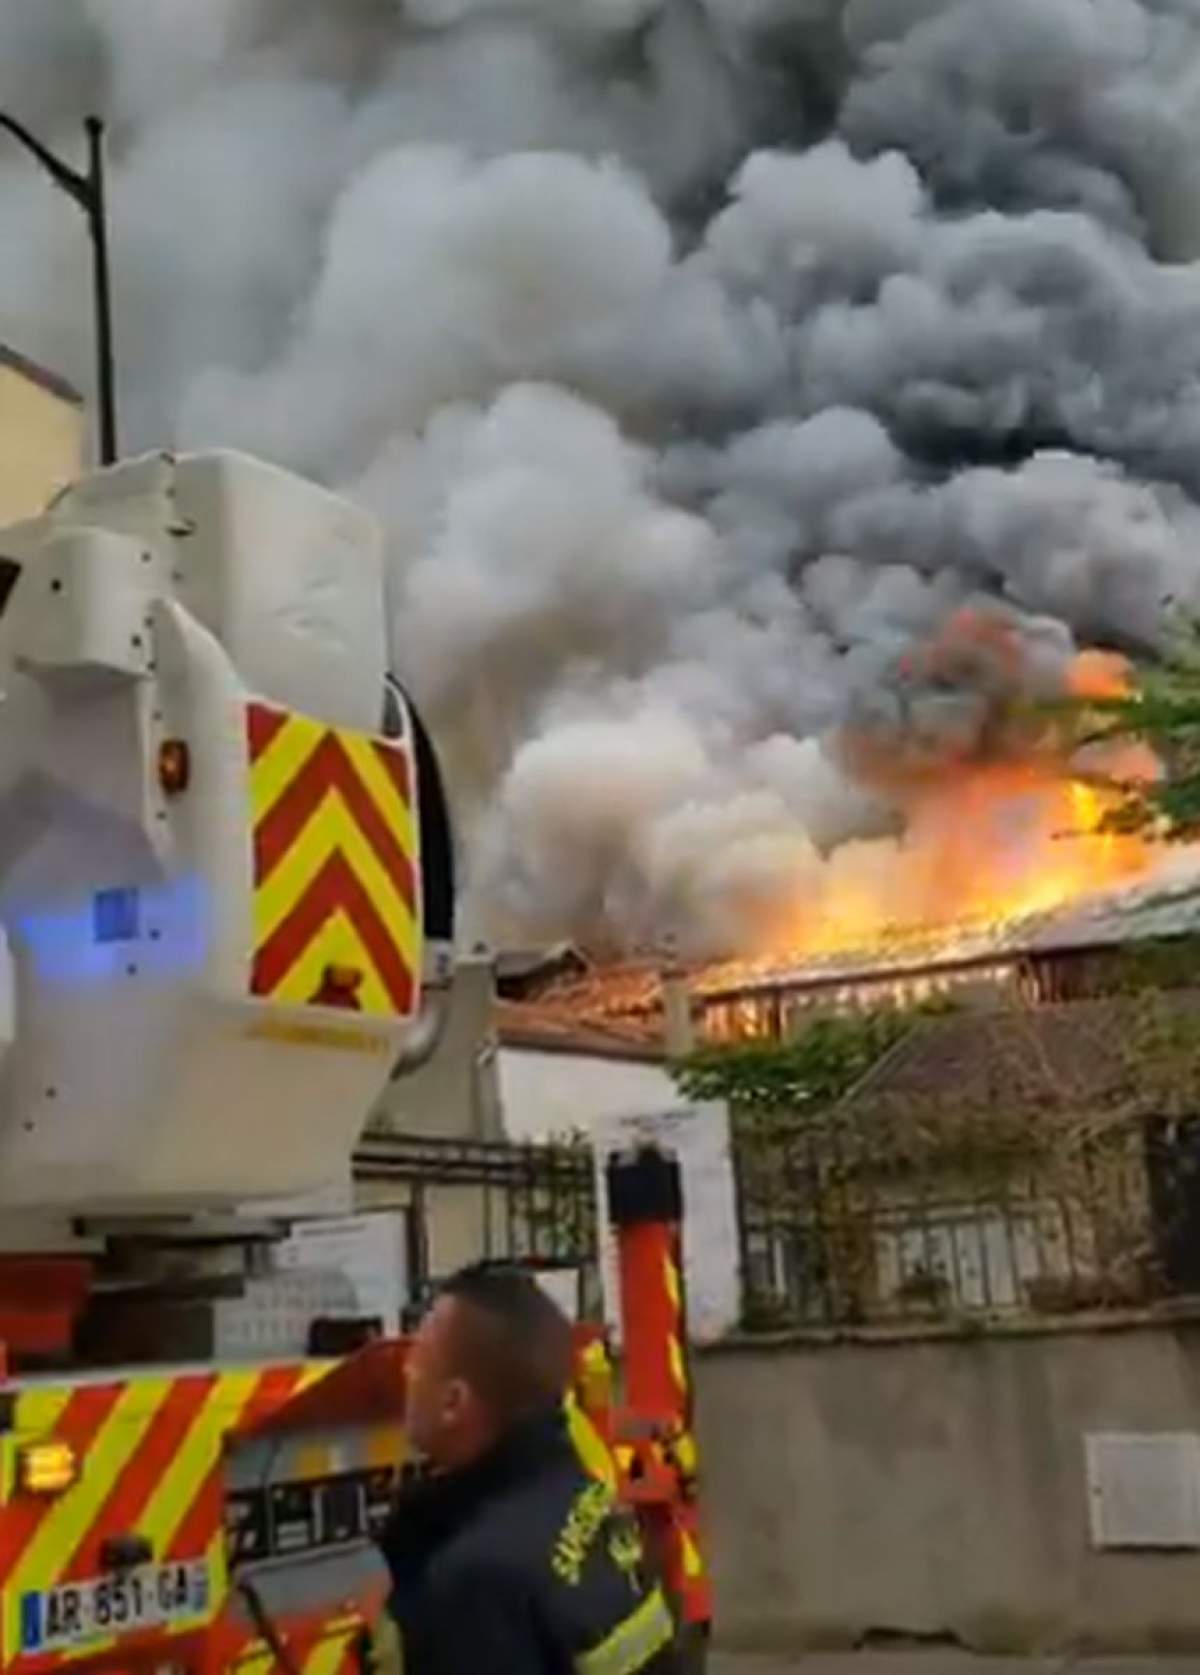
146	1597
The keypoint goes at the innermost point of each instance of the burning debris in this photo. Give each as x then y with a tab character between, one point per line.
769	403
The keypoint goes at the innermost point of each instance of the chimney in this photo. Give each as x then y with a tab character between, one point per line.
679	1035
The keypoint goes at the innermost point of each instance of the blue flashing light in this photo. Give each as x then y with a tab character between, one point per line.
95	940
116	915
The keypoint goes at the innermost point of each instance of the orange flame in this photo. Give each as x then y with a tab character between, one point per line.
991	846
984	849
1000	844
1098	675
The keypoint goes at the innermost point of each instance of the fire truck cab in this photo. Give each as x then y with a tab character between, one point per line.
211	868
226	916
225	921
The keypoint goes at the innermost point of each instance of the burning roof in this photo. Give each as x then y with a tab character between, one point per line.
1146	912
618	1006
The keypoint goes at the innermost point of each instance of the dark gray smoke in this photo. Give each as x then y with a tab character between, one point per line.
708	361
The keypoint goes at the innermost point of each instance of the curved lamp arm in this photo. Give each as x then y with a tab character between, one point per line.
88	191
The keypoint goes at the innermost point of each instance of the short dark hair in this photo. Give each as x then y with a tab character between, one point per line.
516	1351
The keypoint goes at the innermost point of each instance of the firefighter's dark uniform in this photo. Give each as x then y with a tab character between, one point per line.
523	1565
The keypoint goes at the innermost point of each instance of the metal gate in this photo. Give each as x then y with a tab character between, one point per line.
488	1199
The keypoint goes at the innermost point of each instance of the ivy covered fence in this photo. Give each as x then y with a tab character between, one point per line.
959	1167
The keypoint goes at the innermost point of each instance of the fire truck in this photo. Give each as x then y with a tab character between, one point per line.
226	917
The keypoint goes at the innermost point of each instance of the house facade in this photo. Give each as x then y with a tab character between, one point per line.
41	435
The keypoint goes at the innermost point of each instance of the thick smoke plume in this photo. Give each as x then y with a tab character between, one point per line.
765	399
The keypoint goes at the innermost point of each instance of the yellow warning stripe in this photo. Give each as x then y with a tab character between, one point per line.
65	1526
675	1353
225	1406
39	1410
329	1653
331	829
36	1414
386	1445
108	1454
671	1282
288	753
594	1454
334	829
195	1458
323	1657
282	760
255	1660
336	943
689	1552
397	811
678	1364
684	1449
594	1359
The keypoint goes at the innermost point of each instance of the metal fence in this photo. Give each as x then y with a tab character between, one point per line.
860	1218
529	1203
857	1220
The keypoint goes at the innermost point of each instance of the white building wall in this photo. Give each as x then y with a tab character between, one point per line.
619	1103
549	1095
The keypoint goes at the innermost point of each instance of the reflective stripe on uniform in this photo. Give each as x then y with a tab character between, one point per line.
631	1645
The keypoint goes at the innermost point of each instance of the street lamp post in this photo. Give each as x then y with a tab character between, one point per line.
88	191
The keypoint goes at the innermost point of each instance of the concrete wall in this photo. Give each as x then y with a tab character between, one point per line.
938	1487
476	1088
454	1095
550	1094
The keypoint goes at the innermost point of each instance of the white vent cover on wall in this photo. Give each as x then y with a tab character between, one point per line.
1144	1490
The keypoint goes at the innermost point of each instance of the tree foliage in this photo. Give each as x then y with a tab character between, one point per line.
1162	711
1001	1165
810	1069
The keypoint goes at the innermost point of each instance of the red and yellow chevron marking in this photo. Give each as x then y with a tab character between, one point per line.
675	1355
149	1450
658	1389
314	1647
683	1452
693	1564
336	864
589	1408
595	1456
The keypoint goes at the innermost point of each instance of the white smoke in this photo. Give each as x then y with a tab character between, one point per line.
707	361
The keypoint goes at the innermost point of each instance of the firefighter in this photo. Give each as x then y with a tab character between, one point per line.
506	1556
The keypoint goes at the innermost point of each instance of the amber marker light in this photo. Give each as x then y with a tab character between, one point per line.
46	1468
174	766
